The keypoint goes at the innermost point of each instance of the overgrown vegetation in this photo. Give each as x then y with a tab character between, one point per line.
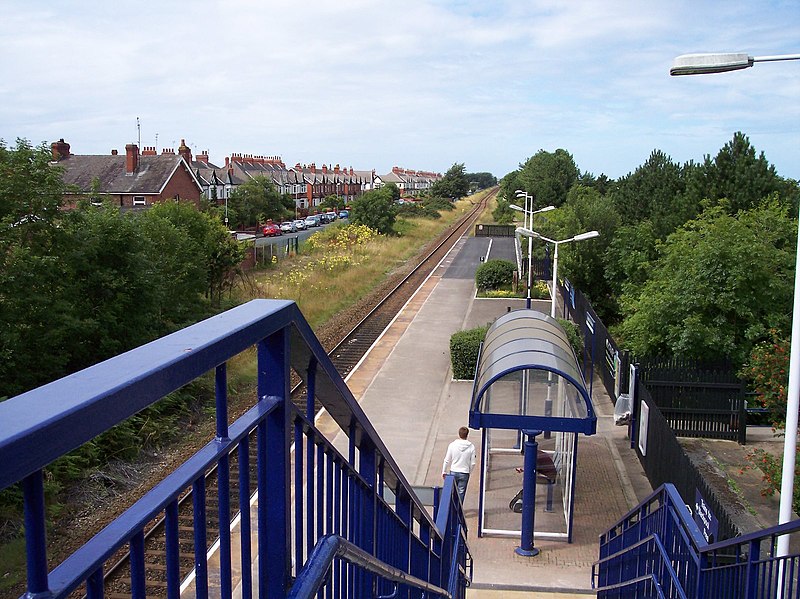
494	274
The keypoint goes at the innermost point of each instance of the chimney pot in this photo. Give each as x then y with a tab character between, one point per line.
60	149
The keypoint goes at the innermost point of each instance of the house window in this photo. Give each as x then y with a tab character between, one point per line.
139	201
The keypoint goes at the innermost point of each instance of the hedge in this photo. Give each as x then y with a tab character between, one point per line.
464	347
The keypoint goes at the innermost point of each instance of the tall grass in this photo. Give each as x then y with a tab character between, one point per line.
342	264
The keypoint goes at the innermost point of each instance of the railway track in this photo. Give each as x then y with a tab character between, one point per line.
345	354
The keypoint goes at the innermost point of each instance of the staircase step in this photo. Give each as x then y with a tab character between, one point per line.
504	594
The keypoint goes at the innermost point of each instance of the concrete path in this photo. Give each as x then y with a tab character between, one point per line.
405	387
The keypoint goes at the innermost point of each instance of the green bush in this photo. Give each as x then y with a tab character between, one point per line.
436	204
464	347
573	334
494	274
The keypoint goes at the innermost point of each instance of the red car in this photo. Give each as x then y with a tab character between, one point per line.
272	230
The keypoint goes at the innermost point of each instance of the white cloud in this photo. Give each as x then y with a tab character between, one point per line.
422	84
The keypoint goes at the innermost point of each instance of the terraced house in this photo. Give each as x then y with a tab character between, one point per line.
132	180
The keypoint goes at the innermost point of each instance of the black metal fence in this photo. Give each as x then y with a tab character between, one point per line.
599	348
664	460
494	230
698	399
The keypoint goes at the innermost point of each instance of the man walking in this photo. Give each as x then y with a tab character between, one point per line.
459	461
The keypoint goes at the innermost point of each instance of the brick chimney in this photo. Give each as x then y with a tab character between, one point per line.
202	157
60	149
149	151
114	152
185	152
131	159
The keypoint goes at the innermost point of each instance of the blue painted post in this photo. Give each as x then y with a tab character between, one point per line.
526	547
35	537
366	517
223	483
200	538
403	510
275	494
311	388
94	585
172	550
298	496
244	510
138	586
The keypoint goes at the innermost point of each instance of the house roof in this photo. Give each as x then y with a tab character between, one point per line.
150	177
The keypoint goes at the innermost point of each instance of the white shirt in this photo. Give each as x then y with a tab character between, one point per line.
460	457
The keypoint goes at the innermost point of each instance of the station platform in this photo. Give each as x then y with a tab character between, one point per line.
405	386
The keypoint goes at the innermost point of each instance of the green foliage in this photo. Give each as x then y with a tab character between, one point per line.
736	179
453	185
257	201
435	203
772	473
583	262
332	203
417	210
656	192
375	209
464	348
548	177
481	180
502	214
719	285
573	334
494	274
767	369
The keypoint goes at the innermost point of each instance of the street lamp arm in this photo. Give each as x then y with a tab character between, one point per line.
702	64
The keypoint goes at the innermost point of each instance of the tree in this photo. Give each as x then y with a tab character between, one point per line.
332	203
375	209
583	262
721	282
655	191
548	177
481	180
502	214
454	185
256	201
737	179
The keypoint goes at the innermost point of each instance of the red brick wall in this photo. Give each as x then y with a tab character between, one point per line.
182	184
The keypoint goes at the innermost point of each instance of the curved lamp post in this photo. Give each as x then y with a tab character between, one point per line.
700	64
528	211
530	234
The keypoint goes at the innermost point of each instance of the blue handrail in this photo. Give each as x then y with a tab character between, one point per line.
685	564
302	497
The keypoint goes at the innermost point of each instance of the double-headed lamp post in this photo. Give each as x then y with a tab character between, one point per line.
701	64
529	234
528	211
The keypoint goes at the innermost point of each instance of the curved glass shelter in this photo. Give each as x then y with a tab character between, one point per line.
524	341
529	379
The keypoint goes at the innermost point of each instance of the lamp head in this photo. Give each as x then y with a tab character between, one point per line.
701	64
587	235
517	208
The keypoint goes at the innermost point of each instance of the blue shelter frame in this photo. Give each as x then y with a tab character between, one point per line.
528	380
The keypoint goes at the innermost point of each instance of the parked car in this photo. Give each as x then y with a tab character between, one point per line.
312	221
344	214
271	230
299	224
330	216
288	227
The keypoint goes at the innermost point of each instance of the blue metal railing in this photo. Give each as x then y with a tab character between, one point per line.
660	540
303	496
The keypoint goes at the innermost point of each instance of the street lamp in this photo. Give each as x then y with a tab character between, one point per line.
699	64
703	64
530	234
528	210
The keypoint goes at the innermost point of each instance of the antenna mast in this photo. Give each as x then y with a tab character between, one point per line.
139	132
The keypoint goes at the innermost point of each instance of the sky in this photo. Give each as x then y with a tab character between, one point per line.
420	84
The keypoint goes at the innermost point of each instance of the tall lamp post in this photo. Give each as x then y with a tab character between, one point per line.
701	64
528	211
530	234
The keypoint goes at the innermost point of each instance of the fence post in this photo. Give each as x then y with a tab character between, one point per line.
742	432
633	386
